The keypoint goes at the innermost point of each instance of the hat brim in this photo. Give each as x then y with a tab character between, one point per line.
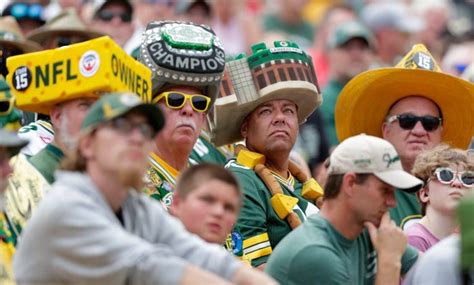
365	101
401	180
152	112
12	142
41	34
231	115
24	45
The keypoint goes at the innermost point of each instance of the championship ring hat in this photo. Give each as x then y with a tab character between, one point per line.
67	22
280	72
365	101
11	35
180	53
11	141
114	105
372	155
348	31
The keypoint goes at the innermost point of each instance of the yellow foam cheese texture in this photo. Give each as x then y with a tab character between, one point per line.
283	204
249	158
312	190
42	79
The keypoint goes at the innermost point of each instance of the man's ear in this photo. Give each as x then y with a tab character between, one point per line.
55	114
244	128
175	204
348	183
385	129
85	146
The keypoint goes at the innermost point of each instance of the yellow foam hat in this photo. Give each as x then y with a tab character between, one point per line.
365	100
42	79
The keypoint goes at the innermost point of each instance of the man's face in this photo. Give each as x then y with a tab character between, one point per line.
67	118
350	59
126	157
153	10
182	126
409	143
5	168
371	199
210	210
271	127
62	39
114	20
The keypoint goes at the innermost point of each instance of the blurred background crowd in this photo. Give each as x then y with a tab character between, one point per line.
344	37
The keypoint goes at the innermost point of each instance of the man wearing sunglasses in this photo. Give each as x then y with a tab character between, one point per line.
413	105
122	236
187	63
114	18
266	96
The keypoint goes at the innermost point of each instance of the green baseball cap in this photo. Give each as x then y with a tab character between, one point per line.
114	105
348	31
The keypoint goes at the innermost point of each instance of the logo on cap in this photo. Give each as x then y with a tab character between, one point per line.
389	160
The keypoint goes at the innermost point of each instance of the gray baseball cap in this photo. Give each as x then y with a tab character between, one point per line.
11	141
366	154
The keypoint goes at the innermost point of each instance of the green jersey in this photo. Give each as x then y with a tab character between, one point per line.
259	229
47	160
7	249
407	211
161	180
316	253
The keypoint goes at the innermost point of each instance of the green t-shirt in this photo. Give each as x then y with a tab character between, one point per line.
407	211
301	33
315	253
327	110
258	229
47	160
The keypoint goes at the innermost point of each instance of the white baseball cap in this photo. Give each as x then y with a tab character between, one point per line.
369	154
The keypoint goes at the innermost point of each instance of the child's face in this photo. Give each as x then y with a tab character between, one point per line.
444	197
210	211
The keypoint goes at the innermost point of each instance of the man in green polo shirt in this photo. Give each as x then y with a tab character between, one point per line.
333	247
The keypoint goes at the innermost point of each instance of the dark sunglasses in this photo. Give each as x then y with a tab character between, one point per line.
6	52
22	11
125	127
408	121
176	100
446	175
107	16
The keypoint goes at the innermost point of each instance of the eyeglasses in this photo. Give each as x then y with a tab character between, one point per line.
107	16
6	106
176	100
125	126
408	121
6	52
446	175
21	11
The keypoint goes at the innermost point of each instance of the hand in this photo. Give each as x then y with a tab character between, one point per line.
251	276
388	240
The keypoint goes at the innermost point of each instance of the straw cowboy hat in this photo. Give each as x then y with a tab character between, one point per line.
11	35
365	101
282	72
68	22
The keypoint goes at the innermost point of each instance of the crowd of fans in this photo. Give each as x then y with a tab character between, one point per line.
250	142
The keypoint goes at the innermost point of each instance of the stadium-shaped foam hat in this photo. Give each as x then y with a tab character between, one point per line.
42	79
365	101
283	71
180	53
